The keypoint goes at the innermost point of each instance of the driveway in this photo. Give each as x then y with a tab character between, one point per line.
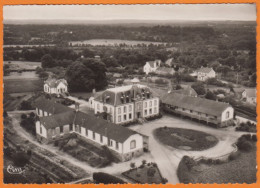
168	158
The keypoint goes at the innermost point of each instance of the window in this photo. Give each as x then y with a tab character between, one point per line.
117	145
130	108
150	103
71	127
61	129
111	143
119	110
191	111
86	132
155	102
206	115
132	144
145	112
101	138
124	109
94	136
150	111
155	110
227	115
145	104
98	106
119	118
40	129
124	117
130	116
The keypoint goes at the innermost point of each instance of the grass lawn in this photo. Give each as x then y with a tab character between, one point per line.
22	86
185	139
148	173
241	170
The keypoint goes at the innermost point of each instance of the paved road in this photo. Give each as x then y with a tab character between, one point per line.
168	158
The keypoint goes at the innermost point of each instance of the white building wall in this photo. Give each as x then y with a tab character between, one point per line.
151	104
38	127
139	143
224	114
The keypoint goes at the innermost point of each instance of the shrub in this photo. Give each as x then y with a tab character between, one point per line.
151	171
26	105
20	159
56	143
105	178
144	162
254	138
244	145
164	180
233	156
190	163
23	116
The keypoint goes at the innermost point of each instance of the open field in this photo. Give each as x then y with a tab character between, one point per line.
113	42
22	86
22	75
22	65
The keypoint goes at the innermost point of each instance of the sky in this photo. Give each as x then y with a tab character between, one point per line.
132	12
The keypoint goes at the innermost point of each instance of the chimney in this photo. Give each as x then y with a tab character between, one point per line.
76	106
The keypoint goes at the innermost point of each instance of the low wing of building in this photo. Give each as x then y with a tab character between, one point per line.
218	113
250	95
165	71
151	66
123	142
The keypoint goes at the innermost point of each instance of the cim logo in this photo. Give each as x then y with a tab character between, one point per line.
14	170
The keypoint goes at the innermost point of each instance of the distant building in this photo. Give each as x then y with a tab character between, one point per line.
249	95
54	86
238	92
127	103
204	73
209	111
164	71
62	121
151	66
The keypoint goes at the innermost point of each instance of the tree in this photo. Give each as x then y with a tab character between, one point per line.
47	61
132	165
144	162
86	75
26	105
199	88
23	116
210	95
21	159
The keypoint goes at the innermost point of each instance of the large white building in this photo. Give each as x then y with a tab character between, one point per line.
151	66
54	86
56	121
127	103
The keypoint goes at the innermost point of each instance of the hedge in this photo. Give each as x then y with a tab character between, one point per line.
101	177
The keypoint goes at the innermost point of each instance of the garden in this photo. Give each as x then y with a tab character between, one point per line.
84	151
146	173
185	139
240	167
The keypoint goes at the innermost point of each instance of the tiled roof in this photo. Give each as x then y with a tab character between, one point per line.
100	126
122	95
50	106
53	83
195	103
205	70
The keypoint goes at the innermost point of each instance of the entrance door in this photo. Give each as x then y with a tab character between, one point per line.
138	114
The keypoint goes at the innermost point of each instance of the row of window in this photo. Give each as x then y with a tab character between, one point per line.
125	117
150	103
151	111
125	109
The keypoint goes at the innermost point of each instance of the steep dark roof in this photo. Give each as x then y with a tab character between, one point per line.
195	103
123	95
100	126
50	106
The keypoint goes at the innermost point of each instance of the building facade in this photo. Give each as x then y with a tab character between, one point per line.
249	95
127	103
54	86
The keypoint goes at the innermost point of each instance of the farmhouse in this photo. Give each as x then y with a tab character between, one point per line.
209	111
204	73
122	142
127	103
54	86
249	95
151	66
